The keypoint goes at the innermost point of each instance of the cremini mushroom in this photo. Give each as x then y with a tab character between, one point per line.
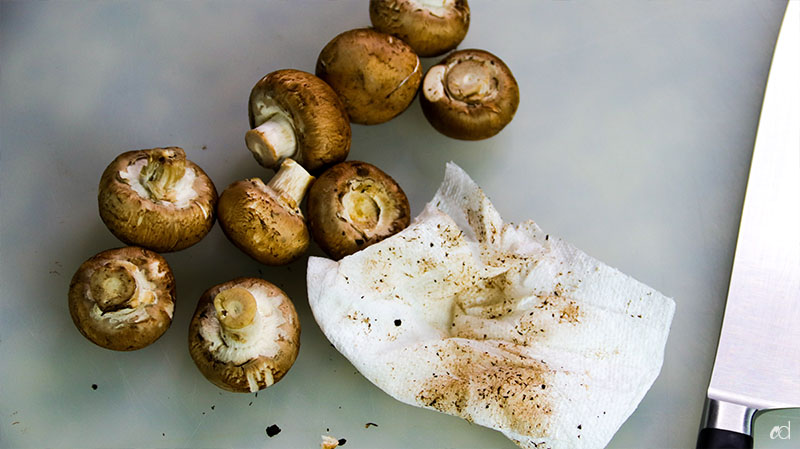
353	205
296	115
375	74
244	335
470	95
430	27
157	199
123	299
264	220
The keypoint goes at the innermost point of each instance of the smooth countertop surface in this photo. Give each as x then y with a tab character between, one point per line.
632	141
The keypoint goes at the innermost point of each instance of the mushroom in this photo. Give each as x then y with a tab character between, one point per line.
296	115
470	95
264	220
375	74
157	199
244	335
353	205
430	27
123	299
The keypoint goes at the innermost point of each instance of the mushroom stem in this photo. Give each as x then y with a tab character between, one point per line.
470	81
236	311
113	287
272	141
361	208
165	167
291	182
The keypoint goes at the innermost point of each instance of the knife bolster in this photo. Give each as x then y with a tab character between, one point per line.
730	416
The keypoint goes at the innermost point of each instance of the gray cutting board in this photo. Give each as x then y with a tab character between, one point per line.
632	141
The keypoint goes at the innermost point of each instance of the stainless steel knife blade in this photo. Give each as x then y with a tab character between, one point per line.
757	365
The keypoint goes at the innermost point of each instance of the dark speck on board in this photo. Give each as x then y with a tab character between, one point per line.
273	430
342	441
94	386
397	322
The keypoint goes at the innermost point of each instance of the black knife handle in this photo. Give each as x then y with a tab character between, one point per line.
723	439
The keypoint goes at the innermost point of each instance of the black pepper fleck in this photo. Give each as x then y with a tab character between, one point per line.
342	441
273	430
94	386
370	424
397	322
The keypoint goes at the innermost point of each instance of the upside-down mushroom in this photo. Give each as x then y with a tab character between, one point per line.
264	220
376	75
353	205
157	199
430	27
470	95
244	335
123	299
296	115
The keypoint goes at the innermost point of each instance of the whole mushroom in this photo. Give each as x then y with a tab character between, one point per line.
430	27
122	299
296	115
375	74
157	199
470	95
264	220
353	205
244	335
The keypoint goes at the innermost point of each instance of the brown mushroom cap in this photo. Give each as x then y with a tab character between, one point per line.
244	335
123	299
353	205
173	213
376	75
311	111
470	95
264	220
430	29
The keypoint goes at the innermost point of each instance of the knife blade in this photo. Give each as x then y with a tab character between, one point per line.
757	364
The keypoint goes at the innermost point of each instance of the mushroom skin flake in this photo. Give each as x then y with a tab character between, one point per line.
502	325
